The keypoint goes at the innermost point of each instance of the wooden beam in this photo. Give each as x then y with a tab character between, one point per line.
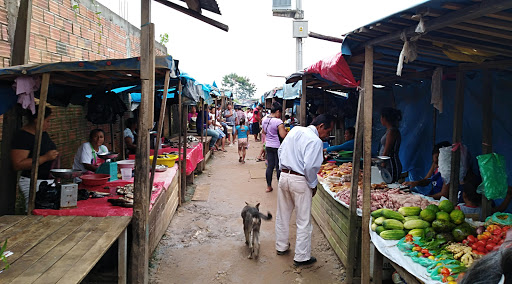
180	135
122	253
468	13
492	23
457	137
160	127
367	164
183	169
303	101
378	261
487	117
206	148
324	37
283	112
12	118
354	186
139	264
194	14
37	144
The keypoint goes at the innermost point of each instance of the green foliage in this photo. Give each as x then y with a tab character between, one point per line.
4	259
164	38
241	86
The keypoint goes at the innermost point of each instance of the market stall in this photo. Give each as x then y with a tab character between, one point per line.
420	56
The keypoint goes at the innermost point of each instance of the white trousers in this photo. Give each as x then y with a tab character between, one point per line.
294	193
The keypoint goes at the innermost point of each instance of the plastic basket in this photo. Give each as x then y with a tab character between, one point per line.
169	161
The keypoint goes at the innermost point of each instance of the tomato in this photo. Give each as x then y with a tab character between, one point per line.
472	239
489	247
445	271
505	228
500	242
495	239
497	232
478	252
481	243
465	242
481	249
490	228
428	255
474	247
424	251
487	234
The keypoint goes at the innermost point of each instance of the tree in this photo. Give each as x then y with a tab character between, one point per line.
240	86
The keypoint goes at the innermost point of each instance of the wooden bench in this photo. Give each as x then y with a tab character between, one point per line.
60	249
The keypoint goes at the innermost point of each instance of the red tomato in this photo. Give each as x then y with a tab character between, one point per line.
501	242
497	231
424	251
465	242
445	271
478	252
495	239
481	243
505	228
472	239
481	249
474	247
427	254
490	247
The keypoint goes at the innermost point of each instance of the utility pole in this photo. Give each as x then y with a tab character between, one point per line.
299	16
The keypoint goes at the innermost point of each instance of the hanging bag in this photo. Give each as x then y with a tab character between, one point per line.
494	176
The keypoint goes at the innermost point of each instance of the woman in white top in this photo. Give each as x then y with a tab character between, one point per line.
130	136
86	158
217	126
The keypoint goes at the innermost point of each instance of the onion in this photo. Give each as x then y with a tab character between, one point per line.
480	230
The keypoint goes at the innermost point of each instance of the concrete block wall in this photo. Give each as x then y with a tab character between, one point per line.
60	33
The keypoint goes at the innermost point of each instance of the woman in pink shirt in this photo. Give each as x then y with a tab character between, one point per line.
274	130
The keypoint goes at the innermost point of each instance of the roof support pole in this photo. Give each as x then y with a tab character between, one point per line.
303	108
202	128
486	130
283	111
181	137
37	143
457	137
160	127
354	186
183	169
140	222
367	163
12	118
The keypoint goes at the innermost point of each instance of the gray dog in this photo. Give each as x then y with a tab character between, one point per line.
251	217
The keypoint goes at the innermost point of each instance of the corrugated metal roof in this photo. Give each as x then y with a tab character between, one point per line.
209	5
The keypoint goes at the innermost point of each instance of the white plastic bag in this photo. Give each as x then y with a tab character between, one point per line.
445	163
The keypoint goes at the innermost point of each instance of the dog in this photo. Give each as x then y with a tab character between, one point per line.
251	218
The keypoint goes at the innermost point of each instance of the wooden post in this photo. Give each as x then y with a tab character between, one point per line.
139	263
283	112
122	252
378	260
486	131
12	118
203	129
339	131
183	169
367	163
160	127
180	136
303	108
123	145
354	185
37	143
457	137
112	144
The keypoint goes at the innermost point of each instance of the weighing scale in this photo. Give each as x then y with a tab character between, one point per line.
109	167
67	188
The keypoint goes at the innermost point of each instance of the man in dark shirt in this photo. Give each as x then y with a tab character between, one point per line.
204	127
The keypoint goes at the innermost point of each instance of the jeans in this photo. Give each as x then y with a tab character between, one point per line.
214	134
225	126
273	162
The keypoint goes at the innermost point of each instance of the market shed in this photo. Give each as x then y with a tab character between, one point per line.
453	54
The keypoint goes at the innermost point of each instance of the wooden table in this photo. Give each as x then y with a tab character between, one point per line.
60	249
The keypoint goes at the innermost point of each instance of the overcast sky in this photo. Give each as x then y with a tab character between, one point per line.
257	43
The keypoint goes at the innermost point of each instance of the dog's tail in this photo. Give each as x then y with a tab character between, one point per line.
268	217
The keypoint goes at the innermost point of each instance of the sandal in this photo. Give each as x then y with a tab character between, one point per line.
271	189
259	159
240	159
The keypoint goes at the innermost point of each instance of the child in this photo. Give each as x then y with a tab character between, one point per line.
473	200
242	130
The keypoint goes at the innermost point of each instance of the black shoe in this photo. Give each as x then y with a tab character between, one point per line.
307	262
283	252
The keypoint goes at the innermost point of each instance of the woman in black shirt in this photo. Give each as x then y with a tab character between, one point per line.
22	152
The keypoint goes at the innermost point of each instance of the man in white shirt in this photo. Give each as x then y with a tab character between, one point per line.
300	158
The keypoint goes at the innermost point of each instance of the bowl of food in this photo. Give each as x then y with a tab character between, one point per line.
108	155
95	179
126	164
168	160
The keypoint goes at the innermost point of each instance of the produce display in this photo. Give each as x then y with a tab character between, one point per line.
438	238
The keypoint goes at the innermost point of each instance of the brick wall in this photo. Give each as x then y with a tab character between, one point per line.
59	33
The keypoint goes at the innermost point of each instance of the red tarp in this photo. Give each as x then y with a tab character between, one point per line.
334	69
100	207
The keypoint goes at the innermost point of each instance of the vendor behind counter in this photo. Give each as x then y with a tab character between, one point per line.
86	158
349	135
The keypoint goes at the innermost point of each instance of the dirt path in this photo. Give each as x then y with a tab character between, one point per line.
205	242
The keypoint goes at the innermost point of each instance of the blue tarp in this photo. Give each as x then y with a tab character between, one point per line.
417	124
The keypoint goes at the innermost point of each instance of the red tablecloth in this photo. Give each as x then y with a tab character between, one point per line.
194	156
100	207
